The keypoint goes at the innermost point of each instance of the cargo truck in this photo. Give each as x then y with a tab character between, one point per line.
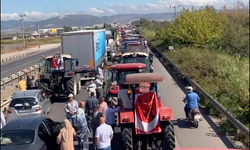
89	46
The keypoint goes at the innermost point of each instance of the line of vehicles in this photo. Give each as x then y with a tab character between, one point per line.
128	73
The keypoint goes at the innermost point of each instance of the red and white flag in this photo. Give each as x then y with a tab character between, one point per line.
147	119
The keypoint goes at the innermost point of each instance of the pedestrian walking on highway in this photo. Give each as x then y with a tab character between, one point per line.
28	81
99	85
71	107
103	106
90	104
110	115
91	88
34	83
95	119
22	86
100	72
66	136
81	108
3	121
103	136
82	128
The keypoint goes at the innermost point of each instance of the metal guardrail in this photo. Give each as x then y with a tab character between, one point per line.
215	103
16	56
11	78
10	81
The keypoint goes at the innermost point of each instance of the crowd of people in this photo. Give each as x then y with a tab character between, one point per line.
94	115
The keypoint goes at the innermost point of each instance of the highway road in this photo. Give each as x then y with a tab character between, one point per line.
18	64
203	137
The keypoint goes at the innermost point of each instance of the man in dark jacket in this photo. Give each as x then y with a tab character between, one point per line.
28	81
90	104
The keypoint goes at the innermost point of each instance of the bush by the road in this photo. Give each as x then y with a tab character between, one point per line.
212	49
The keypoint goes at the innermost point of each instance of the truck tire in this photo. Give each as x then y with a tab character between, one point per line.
44	85
70	86
127	138
168	140
79	87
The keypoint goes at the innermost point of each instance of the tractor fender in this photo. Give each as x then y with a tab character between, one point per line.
127	117
166	113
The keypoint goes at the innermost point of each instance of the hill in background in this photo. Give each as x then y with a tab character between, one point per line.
80	20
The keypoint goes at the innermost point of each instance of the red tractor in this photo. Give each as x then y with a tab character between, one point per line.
115	77
147	125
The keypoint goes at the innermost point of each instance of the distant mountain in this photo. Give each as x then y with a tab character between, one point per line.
5	25
81	20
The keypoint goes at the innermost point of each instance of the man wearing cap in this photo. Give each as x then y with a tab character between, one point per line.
71	107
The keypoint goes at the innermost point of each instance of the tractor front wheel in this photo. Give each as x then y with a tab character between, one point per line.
168	142
127	138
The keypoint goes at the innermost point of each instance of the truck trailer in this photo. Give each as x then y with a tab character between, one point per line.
89	46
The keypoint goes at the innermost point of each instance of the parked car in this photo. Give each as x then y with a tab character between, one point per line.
34	133
28	103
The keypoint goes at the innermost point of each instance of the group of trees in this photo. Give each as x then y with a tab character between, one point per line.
213	50
226	30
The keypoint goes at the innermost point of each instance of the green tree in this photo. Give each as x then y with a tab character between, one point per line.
197	27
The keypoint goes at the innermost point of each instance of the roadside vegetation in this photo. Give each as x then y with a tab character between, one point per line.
48	40
9	46
212	48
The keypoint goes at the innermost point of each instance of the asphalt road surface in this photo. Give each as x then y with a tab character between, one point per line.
203	137
18	64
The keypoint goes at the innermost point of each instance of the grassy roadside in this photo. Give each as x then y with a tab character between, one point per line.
48	40
9	46
223	76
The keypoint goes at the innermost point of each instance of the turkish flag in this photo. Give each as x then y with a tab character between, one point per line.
147	113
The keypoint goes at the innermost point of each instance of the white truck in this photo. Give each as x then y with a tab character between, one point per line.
89	46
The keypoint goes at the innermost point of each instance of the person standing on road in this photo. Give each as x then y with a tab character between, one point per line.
95	119
103	107
91	88
90	104
99	84
22	84
103	136
71	107
145	43
34	83
110	115
28	81
66	136
3	121
82	128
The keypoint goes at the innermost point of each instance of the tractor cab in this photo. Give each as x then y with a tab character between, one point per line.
57	74
57	63
115	77
138	57
146	124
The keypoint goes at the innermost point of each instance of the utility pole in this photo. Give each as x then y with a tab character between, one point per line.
38	30
22	20
175	11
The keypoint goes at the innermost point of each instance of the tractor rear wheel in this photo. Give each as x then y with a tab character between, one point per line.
127	138
70	86
168	142
44	85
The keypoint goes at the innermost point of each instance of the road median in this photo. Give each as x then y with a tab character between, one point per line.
28	51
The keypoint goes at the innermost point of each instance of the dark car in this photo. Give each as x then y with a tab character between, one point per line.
36	133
